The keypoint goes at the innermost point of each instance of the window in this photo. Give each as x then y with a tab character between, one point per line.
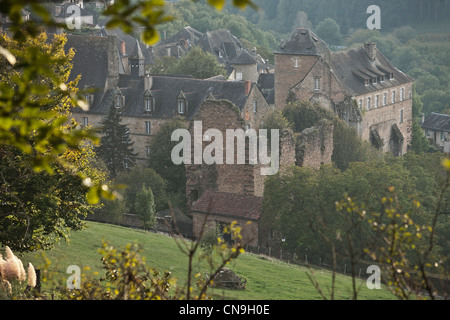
402	94
239	76
442	136
401	115
391	76
376	101
384	99
374	80
381	78
148	103
181	106
360	102
368	103
85	121
147	151
255	106
296	63
148	127
393	96
316	83
119	100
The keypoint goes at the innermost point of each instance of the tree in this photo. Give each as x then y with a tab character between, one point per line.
116	148
145	206
160	160
196	62
38	208
47	169
133	180
330	32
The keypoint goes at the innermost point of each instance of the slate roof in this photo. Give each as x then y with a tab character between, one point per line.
229	205
266	83
130	43
437	122
165	90
90	61
243	59
303	42
188	33
352	67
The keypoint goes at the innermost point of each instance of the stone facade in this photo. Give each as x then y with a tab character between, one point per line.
360	85
314	146
223	208
231	178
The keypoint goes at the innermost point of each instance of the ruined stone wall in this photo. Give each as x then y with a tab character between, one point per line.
314	146
232	178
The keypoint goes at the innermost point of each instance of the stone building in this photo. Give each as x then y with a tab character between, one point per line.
148	100
239	62
360	85
223	208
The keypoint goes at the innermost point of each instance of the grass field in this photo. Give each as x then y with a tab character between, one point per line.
267	279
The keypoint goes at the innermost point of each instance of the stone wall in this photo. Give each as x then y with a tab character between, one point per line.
226	177
287	75
314	146
383	117
137	126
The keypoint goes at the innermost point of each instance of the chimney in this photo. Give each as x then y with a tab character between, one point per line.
148	82
371	50
248	86
123	49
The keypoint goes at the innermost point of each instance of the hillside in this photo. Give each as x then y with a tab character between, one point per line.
267	279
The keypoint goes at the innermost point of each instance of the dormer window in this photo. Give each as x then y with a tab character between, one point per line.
381	78
181	103
148	103
391	76
119	101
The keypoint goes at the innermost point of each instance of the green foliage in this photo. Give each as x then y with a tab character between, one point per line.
133	180
161	161
196	62
39	209
144	206
299	205
204	18
46	166
116	148
330	32
347	145
128	276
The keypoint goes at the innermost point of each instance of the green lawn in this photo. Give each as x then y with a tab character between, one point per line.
267	279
